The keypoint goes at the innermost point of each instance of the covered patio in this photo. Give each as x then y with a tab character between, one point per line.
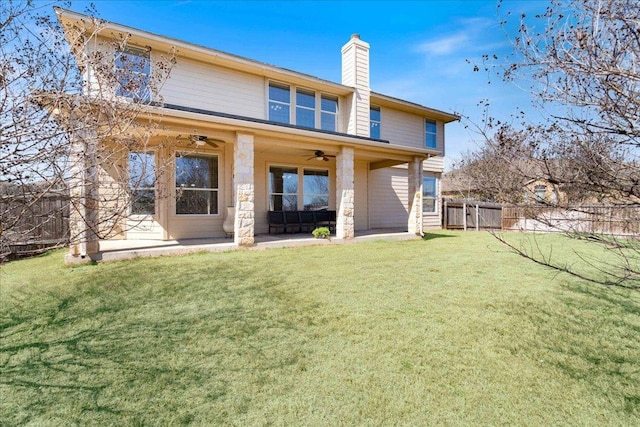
117	250
243	158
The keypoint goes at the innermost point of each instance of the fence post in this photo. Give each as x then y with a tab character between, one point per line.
464	216
444	216
477	217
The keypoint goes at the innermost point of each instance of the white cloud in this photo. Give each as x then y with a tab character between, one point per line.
444	45
471	36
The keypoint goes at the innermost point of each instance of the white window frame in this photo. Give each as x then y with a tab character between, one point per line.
308	92
269	193
300	194
304	193
379	122
293	104
154	188
280	85
145	90
427	133
335	115
176	188
435	197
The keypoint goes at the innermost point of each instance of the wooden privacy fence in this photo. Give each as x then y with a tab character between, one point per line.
588	218
471	215
41	223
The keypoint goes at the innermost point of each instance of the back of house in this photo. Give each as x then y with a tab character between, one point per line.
234	132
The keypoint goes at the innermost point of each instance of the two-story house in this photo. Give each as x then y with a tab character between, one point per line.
261	138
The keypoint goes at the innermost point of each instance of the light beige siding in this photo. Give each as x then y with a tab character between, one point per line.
388	198
361	199
434	164
112	181
100	55
198	85
431	221
401	128
355	73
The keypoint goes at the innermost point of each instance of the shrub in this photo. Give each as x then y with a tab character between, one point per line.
321	233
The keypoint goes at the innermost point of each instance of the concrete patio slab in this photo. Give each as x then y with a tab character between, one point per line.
115	250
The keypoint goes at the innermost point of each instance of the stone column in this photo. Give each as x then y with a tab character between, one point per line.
345	194
83	191
244	190
415	223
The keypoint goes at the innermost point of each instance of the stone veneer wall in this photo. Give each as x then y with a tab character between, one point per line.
345	225
415	197
244	188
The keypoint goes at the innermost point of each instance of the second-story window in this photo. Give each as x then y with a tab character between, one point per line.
329	113
430	131
279	103
305	108
133	71
374	119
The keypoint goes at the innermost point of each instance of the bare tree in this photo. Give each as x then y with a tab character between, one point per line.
580	60
498	169
56	130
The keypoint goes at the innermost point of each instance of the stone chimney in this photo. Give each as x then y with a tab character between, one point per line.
355	73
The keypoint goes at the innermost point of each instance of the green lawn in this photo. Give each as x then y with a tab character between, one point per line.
453	329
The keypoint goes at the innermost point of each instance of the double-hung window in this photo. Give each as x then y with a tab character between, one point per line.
142	178
374	120
133	71
305	108
196	185
315	186
329	113
430	132
283	188
429	194
279	103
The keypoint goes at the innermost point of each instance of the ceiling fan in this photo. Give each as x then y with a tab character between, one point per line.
320	156
201	140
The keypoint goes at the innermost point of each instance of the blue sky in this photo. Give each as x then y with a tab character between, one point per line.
418	48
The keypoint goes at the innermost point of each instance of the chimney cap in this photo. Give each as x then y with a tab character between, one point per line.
355	36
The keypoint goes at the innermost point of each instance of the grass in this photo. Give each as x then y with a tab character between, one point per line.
453	329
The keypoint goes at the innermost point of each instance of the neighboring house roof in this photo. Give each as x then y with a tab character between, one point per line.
457	182
236	62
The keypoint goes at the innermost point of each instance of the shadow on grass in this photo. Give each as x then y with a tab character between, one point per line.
140	341
591	336
431	236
